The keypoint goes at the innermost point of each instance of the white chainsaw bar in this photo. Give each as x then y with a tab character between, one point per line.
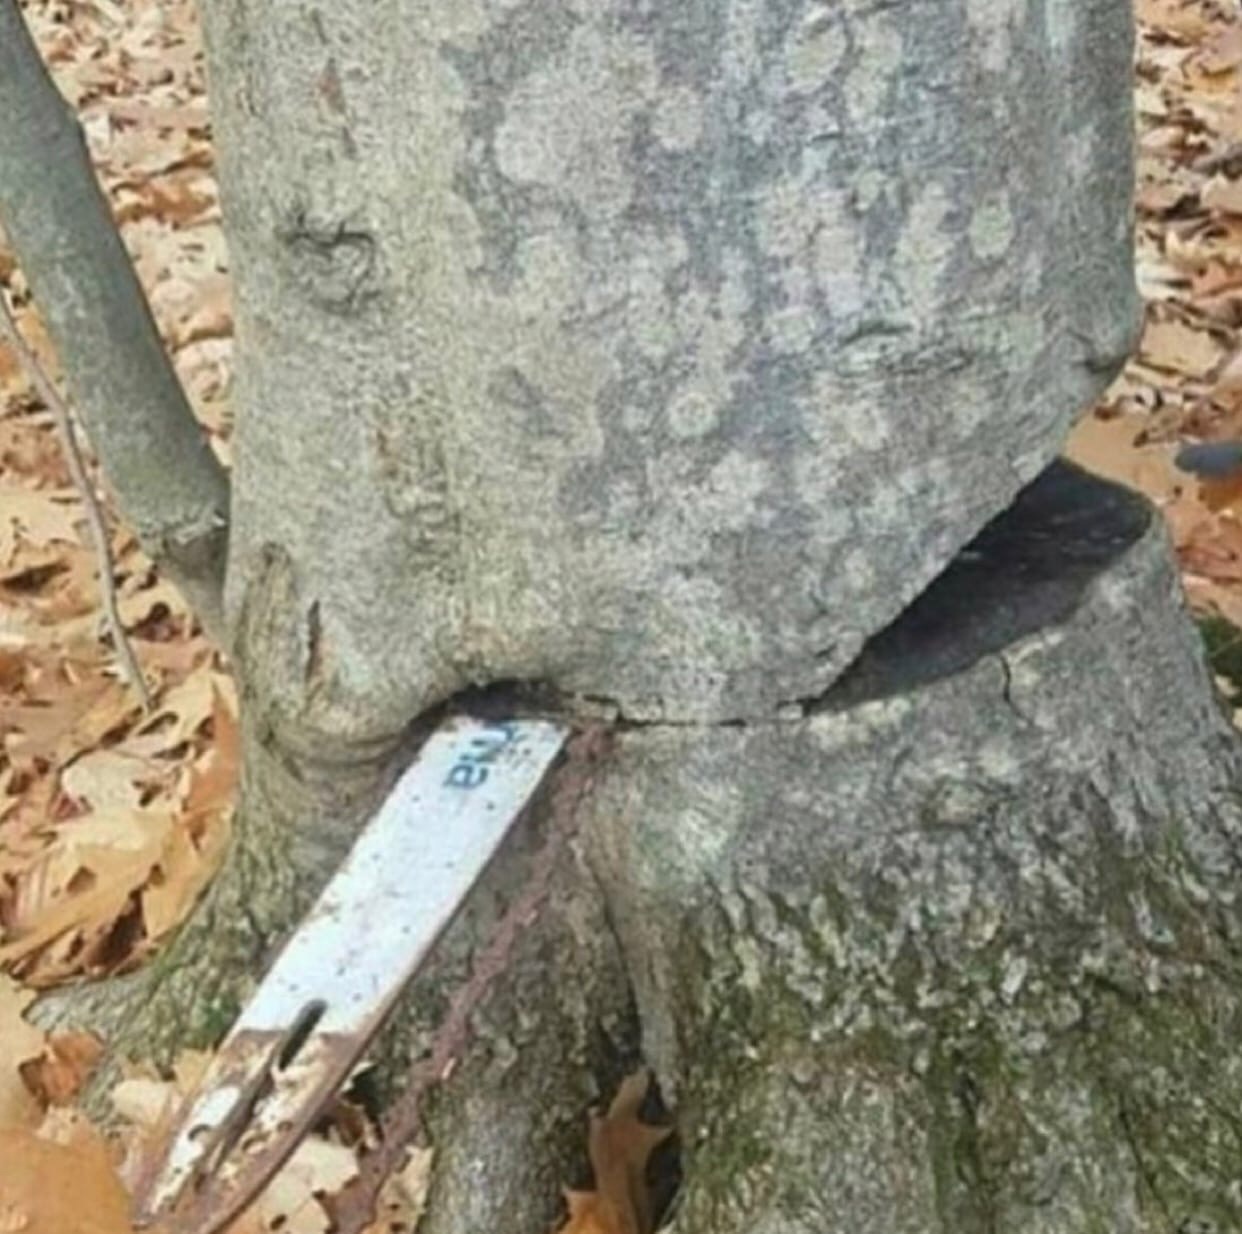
339	976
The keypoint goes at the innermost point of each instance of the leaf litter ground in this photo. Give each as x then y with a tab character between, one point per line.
112	821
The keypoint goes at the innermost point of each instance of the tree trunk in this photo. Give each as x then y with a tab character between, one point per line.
656	359
661	353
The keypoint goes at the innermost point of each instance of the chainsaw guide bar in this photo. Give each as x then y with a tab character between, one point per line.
341	973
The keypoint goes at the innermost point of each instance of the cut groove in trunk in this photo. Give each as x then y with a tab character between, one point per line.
959	951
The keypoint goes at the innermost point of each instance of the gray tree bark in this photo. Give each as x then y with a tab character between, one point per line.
660	353
704	365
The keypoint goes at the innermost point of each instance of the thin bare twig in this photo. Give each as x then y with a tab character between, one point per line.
353	1208
94	515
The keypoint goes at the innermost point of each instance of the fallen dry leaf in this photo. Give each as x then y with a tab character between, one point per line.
49	1188
78	889
1221	52
180	714
289	1204
187	860
110	779
1175	346
404	1196
36	517
1110	448
77	719
20	1043
1221	193
57	1075
1175	18
589	1213
619	1146
145	1101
